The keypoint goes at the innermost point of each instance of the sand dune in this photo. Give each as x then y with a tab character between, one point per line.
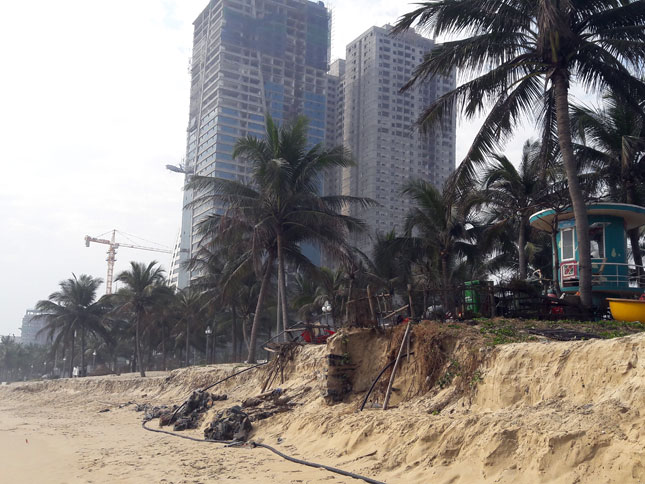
542	412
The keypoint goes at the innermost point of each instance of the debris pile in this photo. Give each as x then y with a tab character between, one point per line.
187	416
268	404
229	424
151	411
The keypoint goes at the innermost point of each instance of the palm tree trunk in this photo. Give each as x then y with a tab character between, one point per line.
149	355
137	343
445	281
634	236
278	303
561	88
233	334
245	333
258	309
213	356
556	260
283	286
521	248
82	372
187	342
71	358
163	347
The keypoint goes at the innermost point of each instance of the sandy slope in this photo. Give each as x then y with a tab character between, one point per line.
544	412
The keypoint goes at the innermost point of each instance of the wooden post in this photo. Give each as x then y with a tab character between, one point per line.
369	300
396	364
410	300
378	303
349	297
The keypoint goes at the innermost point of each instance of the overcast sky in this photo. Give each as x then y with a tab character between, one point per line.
93	105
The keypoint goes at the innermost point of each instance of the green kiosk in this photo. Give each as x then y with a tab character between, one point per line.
612	273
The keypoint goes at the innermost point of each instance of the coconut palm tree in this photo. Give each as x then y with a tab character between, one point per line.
144	286
72	311
523	56
282	206
612	139
442	225
192	310
510	193
225	274
391	264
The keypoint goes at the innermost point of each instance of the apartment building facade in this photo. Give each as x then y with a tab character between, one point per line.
379	127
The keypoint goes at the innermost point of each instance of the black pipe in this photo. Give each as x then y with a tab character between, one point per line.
235	443
369	392
319	466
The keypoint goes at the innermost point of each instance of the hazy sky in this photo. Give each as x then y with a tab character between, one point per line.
93	105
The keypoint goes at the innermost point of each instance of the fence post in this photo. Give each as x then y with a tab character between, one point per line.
410	300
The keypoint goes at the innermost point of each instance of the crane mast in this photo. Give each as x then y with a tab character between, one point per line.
111	254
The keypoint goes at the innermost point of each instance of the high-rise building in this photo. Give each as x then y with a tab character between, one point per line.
335	110
31	332
250	57
175	271
378	126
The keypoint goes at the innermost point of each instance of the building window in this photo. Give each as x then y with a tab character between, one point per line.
597	240
567	244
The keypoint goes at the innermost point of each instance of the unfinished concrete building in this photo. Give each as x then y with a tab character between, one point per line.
250	57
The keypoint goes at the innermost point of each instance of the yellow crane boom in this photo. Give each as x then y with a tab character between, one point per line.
111	252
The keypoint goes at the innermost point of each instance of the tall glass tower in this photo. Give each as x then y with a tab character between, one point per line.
250	57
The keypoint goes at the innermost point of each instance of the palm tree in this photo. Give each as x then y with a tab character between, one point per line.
144	287
190	303
74	310
282	206
524	54
510	193
224	273
613	140
441	227
390	265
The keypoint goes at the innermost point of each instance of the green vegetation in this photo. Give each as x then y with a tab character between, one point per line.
453	370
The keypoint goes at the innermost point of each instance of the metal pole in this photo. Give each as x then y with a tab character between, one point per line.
277	315
396	364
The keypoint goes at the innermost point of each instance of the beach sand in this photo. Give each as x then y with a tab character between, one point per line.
62	437
545	412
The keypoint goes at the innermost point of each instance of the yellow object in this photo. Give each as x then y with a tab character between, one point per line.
627	309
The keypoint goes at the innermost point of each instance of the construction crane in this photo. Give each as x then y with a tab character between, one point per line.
111	258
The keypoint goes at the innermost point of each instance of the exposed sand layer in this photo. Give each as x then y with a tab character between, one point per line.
539	412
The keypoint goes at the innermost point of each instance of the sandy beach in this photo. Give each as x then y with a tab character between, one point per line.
543	412
63	437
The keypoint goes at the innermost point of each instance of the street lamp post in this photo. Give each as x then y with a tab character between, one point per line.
208	332
93	360
326	309
64	360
